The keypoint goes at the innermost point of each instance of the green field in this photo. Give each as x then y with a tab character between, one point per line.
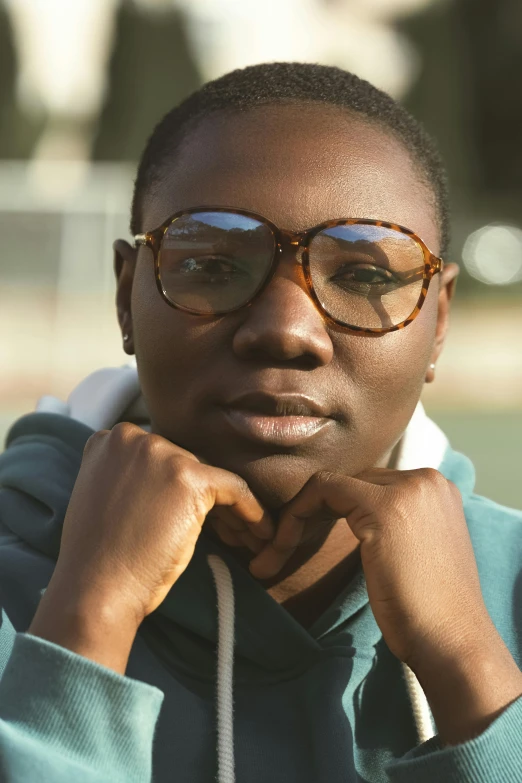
493	441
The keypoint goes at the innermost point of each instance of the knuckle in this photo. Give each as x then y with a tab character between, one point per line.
152	444
152	447
123	429
430	483
454	489
184	472
124	434
431	474
134	443
425	479
186	478
94	439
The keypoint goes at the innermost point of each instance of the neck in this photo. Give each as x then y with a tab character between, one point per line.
308	591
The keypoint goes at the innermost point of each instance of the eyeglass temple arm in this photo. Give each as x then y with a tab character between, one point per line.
411	275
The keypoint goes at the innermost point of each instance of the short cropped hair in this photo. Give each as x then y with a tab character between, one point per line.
273	83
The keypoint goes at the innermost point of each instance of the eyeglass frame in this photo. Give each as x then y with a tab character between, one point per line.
300	240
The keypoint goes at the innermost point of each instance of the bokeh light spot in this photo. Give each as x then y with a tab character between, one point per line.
493	254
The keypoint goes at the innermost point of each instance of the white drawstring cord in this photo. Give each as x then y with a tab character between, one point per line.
225	674
225	677
419	704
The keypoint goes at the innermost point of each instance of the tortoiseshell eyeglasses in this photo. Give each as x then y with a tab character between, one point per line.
363	275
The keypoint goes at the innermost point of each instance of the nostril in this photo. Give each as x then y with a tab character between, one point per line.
300	344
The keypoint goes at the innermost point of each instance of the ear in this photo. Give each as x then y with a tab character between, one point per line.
447	284
125	257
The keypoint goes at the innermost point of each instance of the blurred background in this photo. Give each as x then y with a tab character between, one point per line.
81	85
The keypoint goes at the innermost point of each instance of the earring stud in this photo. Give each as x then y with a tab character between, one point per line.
125	338
432	366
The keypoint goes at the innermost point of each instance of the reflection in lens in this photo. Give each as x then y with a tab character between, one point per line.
366	276
214	262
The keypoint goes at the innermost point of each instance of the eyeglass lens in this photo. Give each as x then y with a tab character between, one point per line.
363	275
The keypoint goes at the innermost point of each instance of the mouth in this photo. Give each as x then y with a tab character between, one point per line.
282	420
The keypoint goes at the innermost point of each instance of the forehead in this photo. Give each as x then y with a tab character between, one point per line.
298	166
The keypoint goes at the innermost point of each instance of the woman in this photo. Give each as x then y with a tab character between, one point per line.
258	557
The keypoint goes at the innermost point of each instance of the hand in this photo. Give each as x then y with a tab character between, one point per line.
416	553
135	514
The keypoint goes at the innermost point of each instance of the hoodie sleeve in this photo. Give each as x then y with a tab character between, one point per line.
66	718
495	756
7	637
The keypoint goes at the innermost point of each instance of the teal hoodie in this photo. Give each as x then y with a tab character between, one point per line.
330	704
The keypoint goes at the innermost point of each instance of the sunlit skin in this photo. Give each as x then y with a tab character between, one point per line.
331	165
309	513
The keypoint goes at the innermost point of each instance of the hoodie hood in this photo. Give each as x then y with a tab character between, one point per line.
38	470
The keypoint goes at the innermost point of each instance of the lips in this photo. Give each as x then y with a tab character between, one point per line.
263	403
283	420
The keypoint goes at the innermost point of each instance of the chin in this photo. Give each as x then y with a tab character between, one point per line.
275	479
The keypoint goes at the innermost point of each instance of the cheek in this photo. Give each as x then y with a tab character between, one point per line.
164	336
173	351
387	372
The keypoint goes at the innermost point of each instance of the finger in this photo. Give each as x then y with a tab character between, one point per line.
269	561
225	533
273	557
237	524
241	533
382	476
338	496
232	491
291	534
324	494
252	542
333	495
308	506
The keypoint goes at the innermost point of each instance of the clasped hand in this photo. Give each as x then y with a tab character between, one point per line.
418	560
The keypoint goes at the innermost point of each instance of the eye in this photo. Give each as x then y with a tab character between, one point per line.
209	271
210	265
362	278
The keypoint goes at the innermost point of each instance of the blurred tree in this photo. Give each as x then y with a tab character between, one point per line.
468	96
18	132
442	97
494	32
151	70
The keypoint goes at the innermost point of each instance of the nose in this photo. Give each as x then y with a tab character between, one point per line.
283	324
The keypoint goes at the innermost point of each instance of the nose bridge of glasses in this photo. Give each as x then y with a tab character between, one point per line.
292	243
